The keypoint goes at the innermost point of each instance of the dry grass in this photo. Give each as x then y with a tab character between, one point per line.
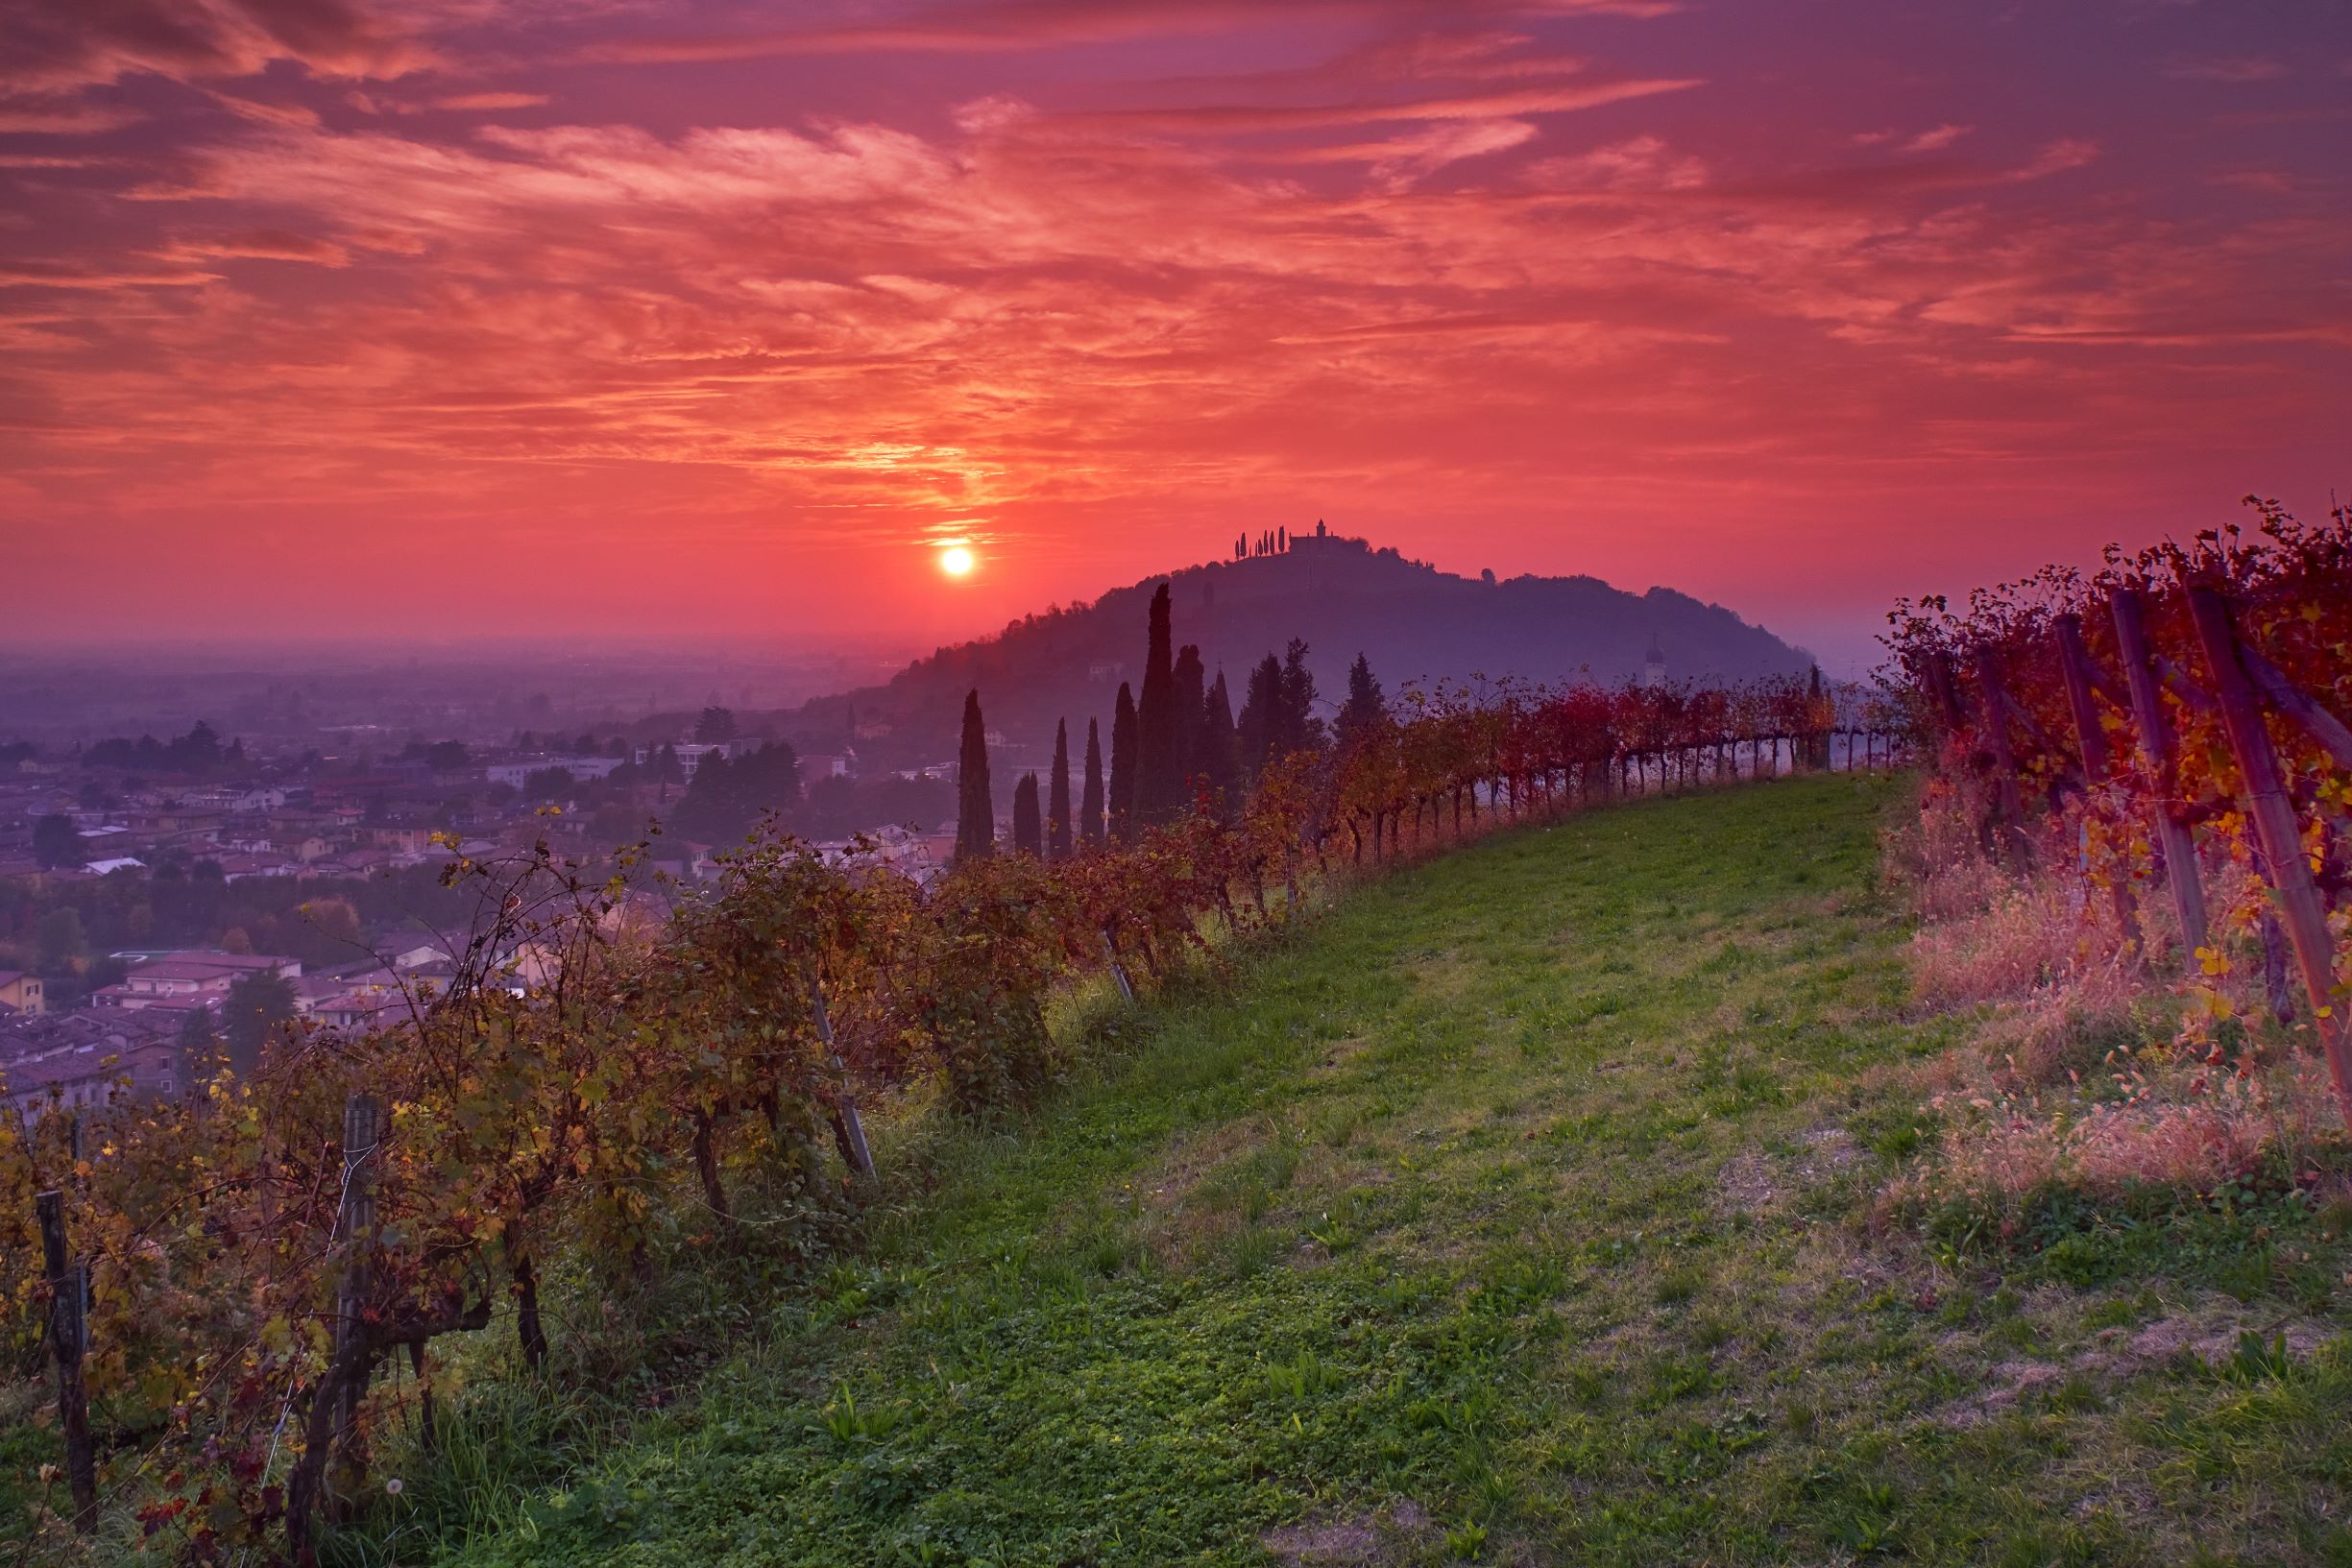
2085	1069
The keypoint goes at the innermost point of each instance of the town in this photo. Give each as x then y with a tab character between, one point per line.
160	901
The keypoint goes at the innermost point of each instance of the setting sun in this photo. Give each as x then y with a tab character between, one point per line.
956	562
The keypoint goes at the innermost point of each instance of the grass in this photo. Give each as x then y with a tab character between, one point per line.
1516	1211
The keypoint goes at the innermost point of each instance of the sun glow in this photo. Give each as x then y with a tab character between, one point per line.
956	562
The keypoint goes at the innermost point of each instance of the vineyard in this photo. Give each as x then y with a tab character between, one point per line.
2168	730
240	1290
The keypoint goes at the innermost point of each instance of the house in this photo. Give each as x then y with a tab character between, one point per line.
184	977
22	992
581	768
828	765
108	868
76	1060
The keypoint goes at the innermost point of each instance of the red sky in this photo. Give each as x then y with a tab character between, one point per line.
323	316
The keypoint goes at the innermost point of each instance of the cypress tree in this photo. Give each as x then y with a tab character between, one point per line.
1057	808
975	802
1220	762
1158	784
1123	767
1028	832
1261	721
1301	730
1090	811
1366	703
1191	724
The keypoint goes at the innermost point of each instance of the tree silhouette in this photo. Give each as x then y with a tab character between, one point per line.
1057	804
1301	730
716	725
1028	831
1158	783
1365	704
57	842
975	802
1090	810
1190	719
1220	762
1123	743
258	1003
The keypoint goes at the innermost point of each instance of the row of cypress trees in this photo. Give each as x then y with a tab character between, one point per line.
1176	746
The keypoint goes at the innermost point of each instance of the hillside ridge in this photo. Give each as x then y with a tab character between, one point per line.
1417	624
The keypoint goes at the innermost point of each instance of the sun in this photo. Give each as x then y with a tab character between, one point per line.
956	562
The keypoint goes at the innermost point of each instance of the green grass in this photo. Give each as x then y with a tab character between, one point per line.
1512	1211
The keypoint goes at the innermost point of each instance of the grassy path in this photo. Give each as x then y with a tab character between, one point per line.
1508	1214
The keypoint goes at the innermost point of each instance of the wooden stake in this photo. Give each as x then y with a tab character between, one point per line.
848	1128
1993	716
2074	664
2172	833
2301	909
68	1336
362	1130
1118	970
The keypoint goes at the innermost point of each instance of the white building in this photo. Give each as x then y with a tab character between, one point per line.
579	768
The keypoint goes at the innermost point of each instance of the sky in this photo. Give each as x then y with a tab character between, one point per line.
519	318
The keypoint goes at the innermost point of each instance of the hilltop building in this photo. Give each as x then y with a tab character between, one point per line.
1654	668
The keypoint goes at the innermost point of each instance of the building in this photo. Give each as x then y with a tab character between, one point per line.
581	768
182	980
1654	668
74	1061
24	992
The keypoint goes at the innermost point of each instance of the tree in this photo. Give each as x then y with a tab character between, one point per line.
259	1005
547	784
58	939
663	769
1159	782
197	1041
1123	742
1261	720
1221	763
975	801
1365	705
716	725
57	842
1027	828
728	795
1090	810
1191	722
1057	806
1301	730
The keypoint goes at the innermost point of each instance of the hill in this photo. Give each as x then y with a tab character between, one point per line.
1414	622
1518	1210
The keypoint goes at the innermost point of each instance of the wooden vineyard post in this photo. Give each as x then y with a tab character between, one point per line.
2074	664
848	1128
2301	909
1118	970
1995	719
362	1132
1947	695
68	1333
2172	833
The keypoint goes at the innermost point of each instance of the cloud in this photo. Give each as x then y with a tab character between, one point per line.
1640	163
53	48
1249	118
491	101
1003	25
2226	68
39	274
1923	141
1400	162
52	117
258	243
